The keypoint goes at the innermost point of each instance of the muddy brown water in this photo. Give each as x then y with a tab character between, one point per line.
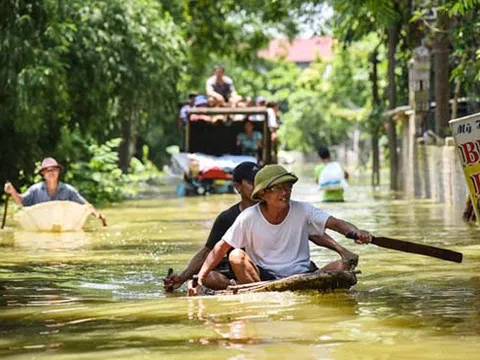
98	294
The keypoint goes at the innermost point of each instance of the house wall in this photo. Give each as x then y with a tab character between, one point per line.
428	170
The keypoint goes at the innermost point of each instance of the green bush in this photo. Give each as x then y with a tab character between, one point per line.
99	179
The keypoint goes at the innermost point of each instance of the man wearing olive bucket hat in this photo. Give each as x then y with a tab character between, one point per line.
274	233
50	189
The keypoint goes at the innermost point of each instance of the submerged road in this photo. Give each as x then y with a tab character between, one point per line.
98	294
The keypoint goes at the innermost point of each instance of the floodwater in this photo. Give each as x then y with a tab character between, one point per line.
98	294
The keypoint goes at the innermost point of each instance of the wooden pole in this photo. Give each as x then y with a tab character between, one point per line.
187	135
5	212
265	141
268	138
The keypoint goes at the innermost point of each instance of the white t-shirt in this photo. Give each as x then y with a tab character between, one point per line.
212	82
332	177
281	249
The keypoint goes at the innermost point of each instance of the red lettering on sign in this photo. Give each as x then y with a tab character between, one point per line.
476	183
470	152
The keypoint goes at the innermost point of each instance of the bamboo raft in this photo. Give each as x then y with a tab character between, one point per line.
323	281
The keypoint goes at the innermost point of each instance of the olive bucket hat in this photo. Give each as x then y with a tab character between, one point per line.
271	175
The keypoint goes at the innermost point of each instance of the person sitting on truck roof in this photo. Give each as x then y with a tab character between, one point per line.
182	117
220	89
244	102
248	101
201	101
249	141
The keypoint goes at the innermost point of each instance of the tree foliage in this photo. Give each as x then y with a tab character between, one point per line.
97	69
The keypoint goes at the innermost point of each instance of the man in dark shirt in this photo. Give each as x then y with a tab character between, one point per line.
220	278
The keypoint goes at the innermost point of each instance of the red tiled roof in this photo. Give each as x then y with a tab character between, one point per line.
299	50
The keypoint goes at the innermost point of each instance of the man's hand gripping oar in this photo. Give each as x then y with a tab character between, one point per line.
5	208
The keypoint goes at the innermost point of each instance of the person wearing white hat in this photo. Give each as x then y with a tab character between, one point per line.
51	189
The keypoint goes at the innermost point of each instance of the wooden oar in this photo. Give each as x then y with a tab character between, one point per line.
5	208
414	248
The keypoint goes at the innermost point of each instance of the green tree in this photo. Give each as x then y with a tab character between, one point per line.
329	99
99	70
390	20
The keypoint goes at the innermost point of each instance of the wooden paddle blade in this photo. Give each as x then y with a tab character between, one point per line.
421	249
414	248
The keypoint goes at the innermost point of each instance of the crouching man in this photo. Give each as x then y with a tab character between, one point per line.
274	233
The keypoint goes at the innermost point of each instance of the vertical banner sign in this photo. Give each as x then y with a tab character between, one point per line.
466	131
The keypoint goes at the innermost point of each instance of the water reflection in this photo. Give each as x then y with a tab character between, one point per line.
49	241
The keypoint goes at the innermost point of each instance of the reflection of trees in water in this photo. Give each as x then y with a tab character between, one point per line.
441	306
233	332
248	321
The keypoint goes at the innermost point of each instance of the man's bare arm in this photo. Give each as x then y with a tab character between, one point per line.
213	259
175	280
327	241
195	264
10	189
344	227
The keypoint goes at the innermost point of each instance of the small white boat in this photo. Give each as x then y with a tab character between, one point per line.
54	216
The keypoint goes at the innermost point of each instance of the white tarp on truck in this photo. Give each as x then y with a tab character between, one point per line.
183	163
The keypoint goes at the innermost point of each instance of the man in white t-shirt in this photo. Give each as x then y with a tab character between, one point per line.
274	233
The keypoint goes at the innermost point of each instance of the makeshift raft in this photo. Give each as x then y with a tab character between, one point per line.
54	216
323	281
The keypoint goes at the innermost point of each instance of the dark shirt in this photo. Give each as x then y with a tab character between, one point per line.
222	224
225	89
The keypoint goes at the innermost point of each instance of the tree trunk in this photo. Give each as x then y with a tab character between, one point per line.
129	140
456	94
374	121
442	83
375	161
393	33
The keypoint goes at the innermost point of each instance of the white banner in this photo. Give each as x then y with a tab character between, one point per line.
466	132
